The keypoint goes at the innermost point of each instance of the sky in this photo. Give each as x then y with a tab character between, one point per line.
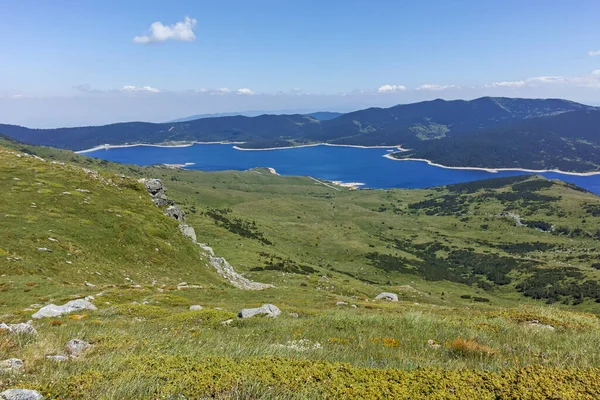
91	62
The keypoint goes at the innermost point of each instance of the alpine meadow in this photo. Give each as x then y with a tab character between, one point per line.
299	200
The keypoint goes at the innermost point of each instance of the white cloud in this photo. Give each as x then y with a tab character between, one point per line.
591	80
158	32
245	91
593	53
514	84
136	89
429	86
391	88
20	96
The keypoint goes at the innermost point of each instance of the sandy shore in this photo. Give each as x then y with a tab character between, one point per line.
397	147
494	170
176	166
350	185
174	144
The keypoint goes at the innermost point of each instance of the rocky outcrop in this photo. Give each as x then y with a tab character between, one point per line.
226	271
387	296
176	213
269	310
158	193
52	310
21	394
188	232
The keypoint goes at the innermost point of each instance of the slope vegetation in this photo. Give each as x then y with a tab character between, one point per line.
473	266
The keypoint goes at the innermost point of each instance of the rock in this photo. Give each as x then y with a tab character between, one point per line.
44	249
293	315
537	324
176	213
19	329
432	343
52	310
353	306
387	296
88	284
21	394
226	271
188	231
226	322
57	358
154	186
269	309
52	239
11	365
195	308
157	191
341	303
76	346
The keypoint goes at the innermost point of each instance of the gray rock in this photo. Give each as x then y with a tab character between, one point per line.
76	346
341	303
154	186
195	308
293	315
21	394
537	324
270	310
57	358
176	213
226	271
11	365
52	310
44	249
20	329
387	296
353	306
188	231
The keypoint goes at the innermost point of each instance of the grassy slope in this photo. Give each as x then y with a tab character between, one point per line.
160	349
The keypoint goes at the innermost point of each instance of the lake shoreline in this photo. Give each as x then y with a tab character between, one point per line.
189	144
388	156
493	170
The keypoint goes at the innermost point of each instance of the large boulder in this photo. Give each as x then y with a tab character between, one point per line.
157	191
154	186
270	310
175	213
21	394
387	296
52	310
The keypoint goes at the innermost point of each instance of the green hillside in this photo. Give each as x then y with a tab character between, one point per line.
472	320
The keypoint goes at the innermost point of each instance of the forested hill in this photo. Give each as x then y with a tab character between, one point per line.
428	127
568	141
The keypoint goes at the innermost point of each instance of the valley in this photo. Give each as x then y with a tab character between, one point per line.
495	279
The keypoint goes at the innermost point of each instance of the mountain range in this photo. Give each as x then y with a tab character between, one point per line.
485	132
320	115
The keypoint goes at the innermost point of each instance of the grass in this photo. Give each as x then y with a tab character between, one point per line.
147	344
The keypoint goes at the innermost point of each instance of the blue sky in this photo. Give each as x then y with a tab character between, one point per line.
66	63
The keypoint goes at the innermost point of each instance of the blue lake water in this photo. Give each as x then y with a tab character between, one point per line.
346	164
